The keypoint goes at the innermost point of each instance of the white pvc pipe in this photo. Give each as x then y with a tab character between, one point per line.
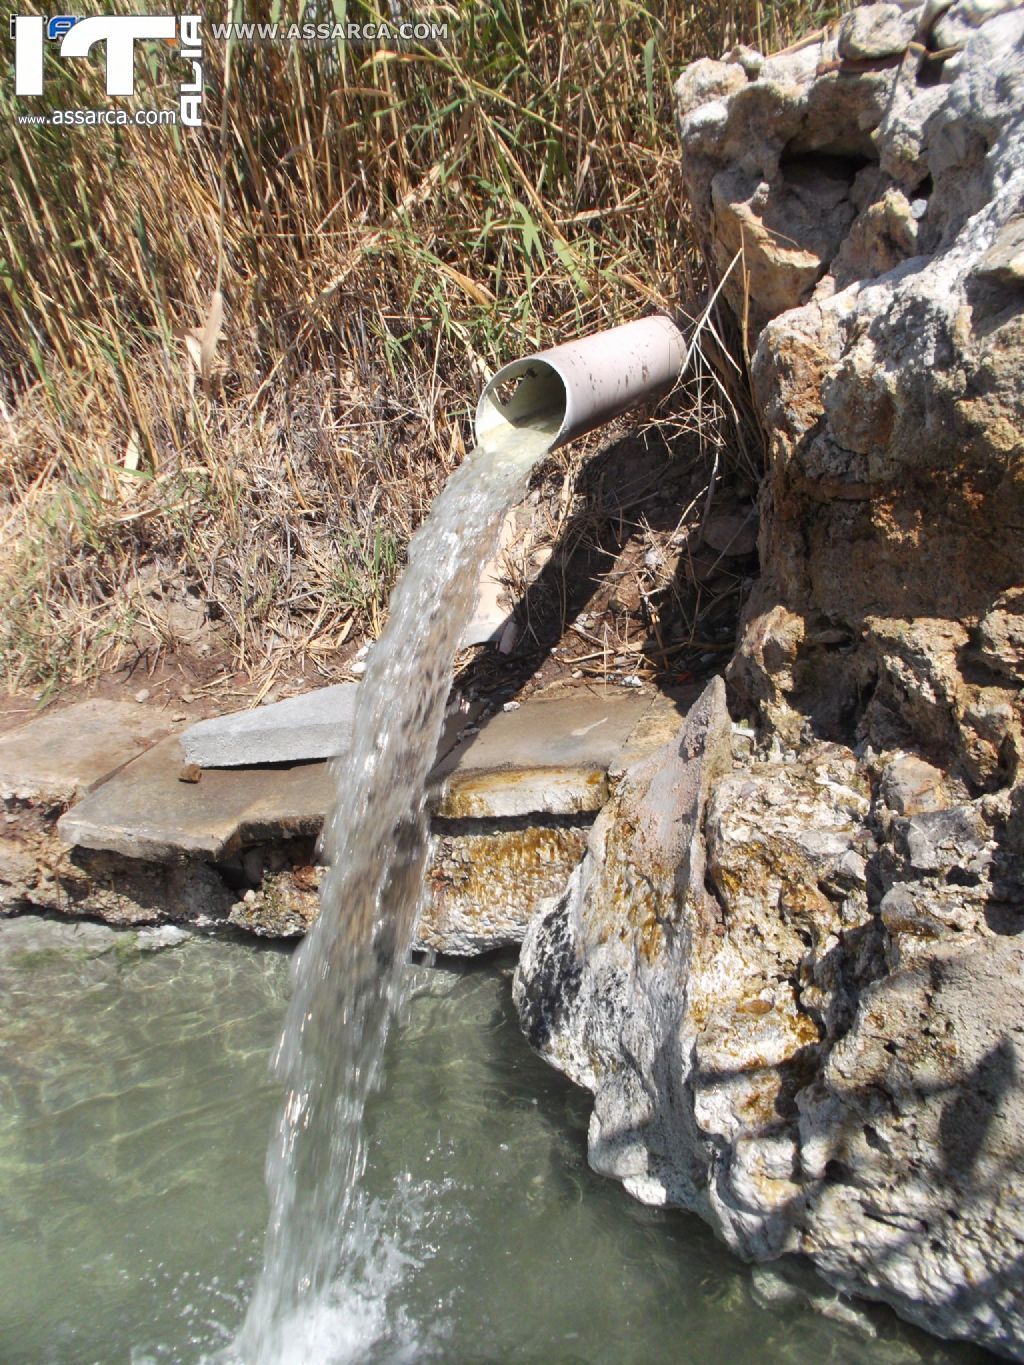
571	389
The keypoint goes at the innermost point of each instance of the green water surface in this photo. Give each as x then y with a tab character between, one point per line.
135	1107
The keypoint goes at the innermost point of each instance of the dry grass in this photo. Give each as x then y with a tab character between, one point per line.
394	224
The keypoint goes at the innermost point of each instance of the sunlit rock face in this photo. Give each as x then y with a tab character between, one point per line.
794	987
876	188
790	967
603	987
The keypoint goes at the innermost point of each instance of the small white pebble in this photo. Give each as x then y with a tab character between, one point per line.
511	706
142	695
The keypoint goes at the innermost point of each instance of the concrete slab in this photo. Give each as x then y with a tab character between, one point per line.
63	754
548	757
146	812
317	724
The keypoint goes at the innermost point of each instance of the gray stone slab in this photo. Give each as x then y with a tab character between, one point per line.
65	753
548	757
146	812
317	724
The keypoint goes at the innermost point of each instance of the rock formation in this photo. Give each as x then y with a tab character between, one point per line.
793	977
874	190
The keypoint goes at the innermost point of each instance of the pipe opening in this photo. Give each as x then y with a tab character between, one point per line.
527	395
542	401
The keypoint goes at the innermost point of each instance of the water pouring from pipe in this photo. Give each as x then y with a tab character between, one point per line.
348	972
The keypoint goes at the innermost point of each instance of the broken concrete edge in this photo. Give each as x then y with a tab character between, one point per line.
505	792
549	757
246	859
316	724
60	755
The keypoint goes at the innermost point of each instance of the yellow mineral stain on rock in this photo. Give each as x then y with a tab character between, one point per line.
524	790
485	885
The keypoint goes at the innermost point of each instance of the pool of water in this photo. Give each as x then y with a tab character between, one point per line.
134	1114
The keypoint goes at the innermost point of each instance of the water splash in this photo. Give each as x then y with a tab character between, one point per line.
349	970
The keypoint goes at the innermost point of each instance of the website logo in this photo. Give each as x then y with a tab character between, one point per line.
118	33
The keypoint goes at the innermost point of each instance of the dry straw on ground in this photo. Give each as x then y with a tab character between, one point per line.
394	223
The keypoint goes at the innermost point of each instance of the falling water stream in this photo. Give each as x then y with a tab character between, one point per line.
349	970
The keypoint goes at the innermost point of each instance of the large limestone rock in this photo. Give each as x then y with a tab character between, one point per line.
601	986
873	182
793	978
795	990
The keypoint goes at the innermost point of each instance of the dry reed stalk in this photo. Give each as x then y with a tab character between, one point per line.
360	234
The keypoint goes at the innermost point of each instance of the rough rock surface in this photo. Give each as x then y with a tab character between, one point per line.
601	984
487	878
875	182
801	1012
811	1033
